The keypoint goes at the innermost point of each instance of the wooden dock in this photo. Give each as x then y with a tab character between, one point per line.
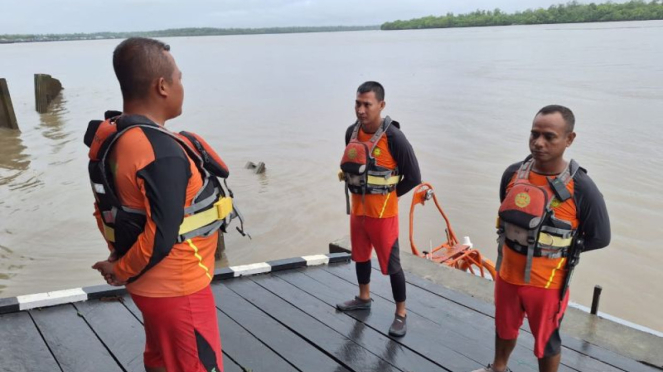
286	320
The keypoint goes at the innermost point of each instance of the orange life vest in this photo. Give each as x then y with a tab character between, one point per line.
361	173
527	222
210	211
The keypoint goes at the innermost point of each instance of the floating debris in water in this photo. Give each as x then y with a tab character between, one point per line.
257	168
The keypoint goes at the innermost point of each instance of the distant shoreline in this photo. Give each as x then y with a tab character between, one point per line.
180	32
572	12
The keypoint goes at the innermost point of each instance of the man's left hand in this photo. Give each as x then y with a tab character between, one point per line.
106	268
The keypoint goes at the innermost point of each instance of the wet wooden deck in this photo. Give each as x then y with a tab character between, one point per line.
286	321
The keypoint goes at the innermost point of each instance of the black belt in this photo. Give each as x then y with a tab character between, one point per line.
522	249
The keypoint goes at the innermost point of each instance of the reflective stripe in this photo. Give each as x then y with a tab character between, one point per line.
384	206
554	241
221	209
200	259
109	233
381	181
99	188
552	275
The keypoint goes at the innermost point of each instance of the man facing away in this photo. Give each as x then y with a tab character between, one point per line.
551	211
379	165
158	182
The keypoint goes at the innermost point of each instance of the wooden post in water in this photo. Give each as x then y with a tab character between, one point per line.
595	299
46	89
7	116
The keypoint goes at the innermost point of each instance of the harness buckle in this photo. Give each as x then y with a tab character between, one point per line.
224	207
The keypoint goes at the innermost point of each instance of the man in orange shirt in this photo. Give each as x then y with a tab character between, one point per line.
551	211
158	182
379	165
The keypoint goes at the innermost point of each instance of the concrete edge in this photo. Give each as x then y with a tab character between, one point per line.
605	333
54	298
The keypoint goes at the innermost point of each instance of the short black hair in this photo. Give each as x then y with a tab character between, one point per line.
372	86
137	62
566	113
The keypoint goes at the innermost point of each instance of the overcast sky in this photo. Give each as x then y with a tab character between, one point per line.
69	16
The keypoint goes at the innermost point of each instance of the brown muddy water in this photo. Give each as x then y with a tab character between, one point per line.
465	99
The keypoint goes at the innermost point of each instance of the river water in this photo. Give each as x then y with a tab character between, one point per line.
465	99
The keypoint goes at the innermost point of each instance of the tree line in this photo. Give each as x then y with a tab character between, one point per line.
572	12
206	31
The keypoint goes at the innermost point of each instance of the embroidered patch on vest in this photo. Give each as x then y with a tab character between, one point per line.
522	200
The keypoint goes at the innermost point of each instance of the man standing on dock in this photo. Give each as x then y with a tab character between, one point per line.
157	180
551	211
379	166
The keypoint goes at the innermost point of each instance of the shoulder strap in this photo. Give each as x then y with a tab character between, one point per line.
558	185
355	132
569	172
525	169
386	123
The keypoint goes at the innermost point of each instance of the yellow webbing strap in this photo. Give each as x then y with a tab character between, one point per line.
554	241
221	210
381	181
109	233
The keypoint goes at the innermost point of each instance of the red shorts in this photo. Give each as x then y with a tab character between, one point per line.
181	333
543	310
367	233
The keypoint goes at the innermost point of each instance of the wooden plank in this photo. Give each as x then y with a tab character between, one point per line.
22	347
342	349
71	340
481	326
388	349
573	347
606	356
459	342
245	349
277	337
229	365
451	316
424	337
129	303
118	329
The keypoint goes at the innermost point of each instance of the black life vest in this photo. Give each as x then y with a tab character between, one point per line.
210	211
527	222
360	171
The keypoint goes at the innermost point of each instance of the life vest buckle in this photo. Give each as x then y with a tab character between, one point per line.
224	207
